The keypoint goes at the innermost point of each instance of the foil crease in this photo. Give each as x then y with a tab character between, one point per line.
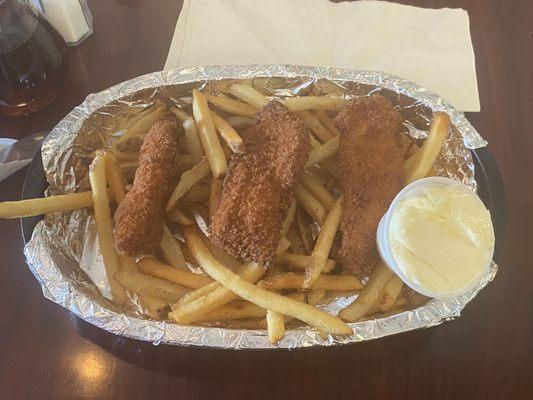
63	252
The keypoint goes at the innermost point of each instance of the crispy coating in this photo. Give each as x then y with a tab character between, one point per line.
139	217
371	175
259	185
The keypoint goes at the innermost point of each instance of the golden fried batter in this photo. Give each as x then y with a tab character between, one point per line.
139	217
259	186
371	175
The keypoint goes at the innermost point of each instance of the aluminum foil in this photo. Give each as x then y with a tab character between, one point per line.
63	252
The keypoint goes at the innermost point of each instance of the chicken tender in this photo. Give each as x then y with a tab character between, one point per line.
259	185
371	162
139	217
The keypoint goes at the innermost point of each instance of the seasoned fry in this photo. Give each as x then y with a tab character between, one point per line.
208	136
172	250
430	149
179	113
310	204
143	124
369	296
238	122
390	294
182	277
232	106
312	122
187	181
299	261
283	245
275	325
195	309
114	176
148	285
249	95
176	215
232	138
46	205
314	103
327	121
235	310
293	280
302	225
314	187
320	254
154	307
258	296
215	189
197	193
328	149
104	226
193	140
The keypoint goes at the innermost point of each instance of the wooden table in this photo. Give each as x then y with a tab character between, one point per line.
47	353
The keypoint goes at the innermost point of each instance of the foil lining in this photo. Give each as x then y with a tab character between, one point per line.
63	252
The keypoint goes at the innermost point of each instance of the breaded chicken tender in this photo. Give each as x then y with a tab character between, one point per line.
139	217
259	185
371	175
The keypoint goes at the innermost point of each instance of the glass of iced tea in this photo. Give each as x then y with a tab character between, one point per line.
33	61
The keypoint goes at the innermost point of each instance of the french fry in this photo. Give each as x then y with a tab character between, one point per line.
320	253
293	280
316	189
289	217
283	245
196	294
187	181
155	308
148	285
314	142
115	177
312	122
275	325
319	174
222	256
249	95
238	122
197	193
314	103
300	261
304	231
215	189
231	137
327	121
370	295
331	166
328	149
430	149
176	215
123	156
315	296
172	250
296	247
261	297
104	227
142	125
231	106
195	309
235	310
182	277
179	113
193	140
208	136
390	294
310	203
45	205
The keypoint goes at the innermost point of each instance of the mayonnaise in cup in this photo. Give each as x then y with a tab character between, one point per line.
437	236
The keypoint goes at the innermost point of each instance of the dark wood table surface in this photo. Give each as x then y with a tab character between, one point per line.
48	353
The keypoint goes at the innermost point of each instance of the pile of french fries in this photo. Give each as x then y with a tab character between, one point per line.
191	281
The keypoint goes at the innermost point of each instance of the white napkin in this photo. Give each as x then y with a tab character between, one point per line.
429	47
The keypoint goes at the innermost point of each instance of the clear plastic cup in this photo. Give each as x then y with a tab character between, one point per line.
383	242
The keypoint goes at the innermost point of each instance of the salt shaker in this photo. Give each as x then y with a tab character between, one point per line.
71	18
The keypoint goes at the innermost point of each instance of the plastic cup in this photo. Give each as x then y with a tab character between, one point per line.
383	242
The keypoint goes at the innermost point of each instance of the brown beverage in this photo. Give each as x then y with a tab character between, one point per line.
33	62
